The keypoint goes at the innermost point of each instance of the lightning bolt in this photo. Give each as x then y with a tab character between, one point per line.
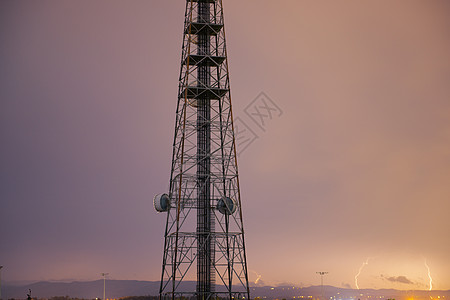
258	276
365	263
429	273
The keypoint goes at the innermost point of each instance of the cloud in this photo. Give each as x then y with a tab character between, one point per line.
346	285
399	279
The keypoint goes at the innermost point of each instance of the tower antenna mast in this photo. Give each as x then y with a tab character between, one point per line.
204	235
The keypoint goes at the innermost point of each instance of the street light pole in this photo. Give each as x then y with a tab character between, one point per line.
1	267
104	284
321	282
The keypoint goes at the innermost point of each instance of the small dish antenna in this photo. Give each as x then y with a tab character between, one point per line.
226	205
161	202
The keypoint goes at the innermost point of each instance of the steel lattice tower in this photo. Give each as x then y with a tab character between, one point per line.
204	235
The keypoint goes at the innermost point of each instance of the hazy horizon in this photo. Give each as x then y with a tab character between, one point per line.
251	284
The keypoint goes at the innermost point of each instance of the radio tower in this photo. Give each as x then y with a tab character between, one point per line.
204	235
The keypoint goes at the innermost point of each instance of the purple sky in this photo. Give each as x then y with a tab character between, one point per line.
356	167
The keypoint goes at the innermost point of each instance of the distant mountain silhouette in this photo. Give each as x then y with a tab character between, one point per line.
86	289
123	288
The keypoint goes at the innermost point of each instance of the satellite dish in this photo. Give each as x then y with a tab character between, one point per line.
161	202
226	205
